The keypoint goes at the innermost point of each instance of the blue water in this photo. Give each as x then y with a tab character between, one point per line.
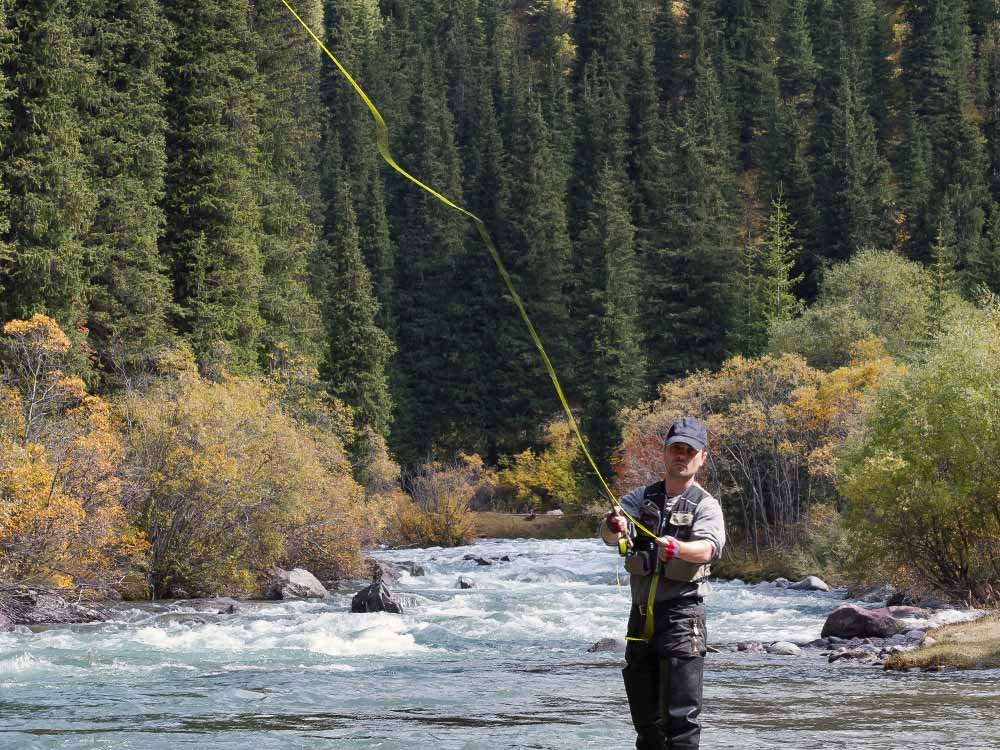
503	665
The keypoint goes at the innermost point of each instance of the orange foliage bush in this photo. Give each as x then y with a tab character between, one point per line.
775	424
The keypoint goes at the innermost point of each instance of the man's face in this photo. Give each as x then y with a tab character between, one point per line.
683	461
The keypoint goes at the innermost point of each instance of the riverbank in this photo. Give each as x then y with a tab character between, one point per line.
961	645
491	525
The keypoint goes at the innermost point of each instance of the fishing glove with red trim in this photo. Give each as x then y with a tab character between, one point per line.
669	547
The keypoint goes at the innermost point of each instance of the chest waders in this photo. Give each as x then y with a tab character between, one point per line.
643	558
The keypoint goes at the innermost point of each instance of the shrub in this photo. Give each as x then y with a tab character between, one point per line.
774	424
922	479
227	485
877	294
438	512
60	518
545	480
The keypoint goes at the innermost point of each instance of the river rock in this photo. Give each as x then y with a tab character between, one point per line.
873	594
928	641
478	560
221	605
607	644
819	643
850	620
466	583
859	655
27	605
412	568
297	583
380	570
782	583
810	583
784	648
751	647
6	624
375	598
916	636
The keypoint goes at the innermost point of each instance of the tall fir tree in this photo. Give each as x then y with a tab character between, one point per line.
213	218
124	142
936	63
287	180
426	376
613	369
356	349
43	166
693	296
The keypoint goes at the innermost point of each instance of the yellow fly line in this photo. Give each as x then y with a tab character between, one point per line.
382	137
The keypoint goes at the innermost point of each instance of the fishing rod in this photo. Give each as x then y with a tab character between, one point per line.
382	140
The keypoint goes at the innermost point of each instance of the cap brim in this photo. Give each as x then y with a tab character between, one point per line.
694	443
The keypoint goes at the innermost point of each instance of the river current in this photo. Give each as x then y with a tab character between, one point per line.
501	665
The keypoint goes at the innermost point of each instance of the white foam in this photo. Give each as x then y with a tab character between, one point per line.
24	663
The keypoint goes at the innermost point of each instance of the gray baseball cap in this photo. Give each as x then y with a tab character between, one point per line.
688	430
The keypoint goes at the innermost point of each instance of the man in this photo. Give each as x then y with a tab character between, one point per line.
665	652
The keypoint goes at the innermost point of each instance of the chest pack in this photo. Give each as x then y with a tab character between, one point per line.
676	520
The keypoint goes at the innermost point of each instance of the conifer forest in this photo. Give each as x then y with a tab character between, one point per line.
669	182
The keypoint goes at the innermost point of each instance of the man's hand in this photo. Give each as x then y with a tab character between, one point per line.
669	547
615	521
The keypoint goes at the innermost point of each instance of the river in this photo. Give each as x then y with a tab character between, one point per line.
501	665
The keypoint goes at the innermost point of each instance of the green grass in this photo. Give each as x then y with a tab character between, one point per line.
965	645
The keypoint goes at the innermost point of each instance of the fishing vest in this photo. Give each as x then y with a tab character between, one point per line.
643	558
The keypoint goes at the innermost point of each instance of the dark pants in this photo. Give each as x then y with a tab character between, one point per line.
663	678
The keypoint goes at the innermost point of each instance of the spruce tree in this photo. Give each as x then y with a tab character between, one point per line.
43	166
695	266
287	181
124	141
357	351
614	368
936	61
426	376
212	216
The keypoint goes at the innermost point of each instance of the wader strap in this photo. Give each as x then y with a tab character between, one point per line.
649	625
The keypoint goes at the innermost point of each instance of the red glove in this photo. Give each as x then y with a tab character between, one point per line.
615	522
669	547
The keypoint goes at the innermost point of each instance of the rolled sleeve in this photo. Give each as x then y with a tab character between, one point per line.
710	525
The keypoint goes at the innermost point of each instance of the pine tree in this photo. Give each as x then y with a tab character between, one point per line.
43	166
212	148
287	181
426	380
695	266
357	351
124	142
614	368
768	281
936	62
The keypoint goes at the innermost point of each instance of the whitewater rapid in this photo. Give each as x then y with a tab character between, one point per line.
501	665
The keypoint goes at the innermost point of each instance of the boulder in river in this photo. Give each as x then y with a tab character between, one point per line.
478	560
607	644
412	568
784	648
810	583
27	605
466	583
297	583
221	605
751	647
850	621
381	570
375	598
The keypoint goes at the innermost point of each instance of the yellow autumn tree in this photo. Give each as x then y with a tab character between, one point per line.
227	485
60	517
774	424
